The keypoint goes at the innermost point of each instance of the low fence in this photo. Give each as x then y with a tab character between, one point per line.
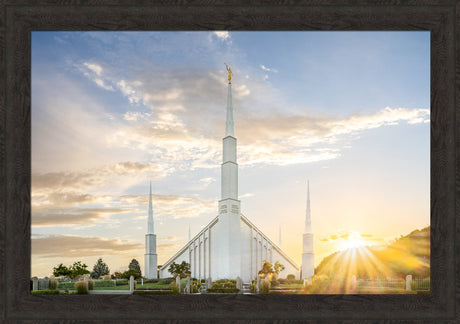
409	283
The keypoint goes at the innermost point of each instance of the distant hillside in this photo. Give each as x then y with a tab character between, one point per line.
409	254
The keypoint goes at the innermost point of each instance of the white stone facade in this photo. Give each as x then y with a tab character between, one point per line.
215	253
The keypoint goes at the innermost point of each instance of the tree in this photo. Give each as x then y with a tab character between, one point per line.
129	273
269	270
78	269
100	269
134	265
182	270
61	270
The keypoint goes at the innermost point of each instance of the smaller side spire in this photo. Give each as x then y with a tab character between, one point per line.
279	238
150	217
308	214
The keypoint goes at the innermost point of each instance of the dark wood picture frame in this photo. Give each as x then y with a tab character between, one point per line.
17	20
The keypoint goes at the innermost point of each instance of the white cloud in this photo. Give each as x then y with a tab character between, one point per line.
94	67
263	67
128	91
223	35
101	83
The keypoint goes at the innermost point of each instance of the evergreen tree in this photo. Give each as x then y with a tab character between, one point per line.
100	269
134	265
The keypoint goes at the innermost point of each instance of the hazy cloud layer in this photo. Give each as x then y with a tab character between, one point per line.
77	246
65	208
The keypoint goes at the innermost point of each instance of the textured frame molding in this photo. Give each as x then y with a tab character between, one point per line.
19	18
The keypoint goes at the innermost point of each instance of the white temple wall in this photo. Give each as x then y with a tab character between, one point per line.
246	253
288	267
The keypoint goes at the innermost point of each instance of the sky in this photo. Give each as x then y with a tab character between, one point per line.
112	111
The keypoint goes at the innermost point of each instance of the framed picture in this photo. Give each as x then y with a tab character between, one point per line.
102	125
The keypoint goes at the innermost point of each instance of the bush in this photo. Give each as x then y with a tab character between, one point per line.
223	290
144	288
53	284
45	292
66	285
81	287
290	276
154	292
175	288
151	281
122	282
90	284
104	283
265	287
224	283
166	281
275	283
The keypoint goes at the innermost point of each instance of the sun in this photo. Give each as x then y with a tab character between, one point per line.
350	241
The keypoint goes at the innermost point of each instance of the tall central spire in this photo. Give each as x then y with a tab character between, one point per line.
229	229
150	219
229	120
229	183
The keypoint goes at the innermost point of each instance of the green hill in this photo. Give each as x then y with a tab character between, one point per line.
409	254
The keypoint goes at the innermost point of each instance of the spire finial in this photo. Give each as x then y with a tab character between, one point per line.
229	120
230	73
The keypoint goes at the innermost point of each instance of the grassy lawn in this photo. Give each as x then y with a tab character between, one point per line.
290	286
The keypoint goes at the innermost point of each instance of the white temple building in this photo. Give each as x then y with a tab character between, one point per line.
308	257
150	265
230	246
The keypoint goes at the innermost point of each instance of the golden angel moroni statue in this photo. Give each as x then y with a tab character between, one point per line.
230	73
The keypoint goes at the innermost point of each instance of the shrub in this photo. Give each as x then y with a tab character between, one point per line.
224	283
151	280
175	288
223	290
166	281
53	284
122	282
90	284
193	289
144	288
275	283
66	285
81	287
104	283
154	292
265	287
45	292
290	276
